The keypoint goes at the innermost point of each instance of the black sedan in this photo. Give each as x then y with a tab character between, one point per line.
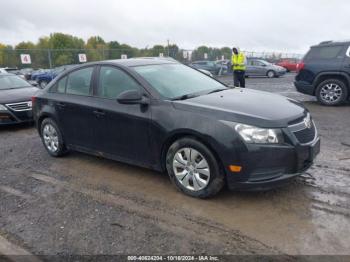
15	100
169	117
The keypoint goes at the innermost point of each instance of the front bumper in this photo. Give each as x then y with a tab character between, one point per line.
269	166
9	118
281	73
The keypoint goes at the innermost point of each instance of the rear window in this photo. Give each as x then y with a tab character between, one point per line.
324	52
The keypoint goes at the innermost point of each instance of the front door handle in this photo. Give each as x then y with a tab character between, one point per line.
99	113
61	104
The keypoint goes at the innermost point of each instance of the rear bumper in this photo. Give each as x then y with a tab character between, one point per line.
304	88
266	167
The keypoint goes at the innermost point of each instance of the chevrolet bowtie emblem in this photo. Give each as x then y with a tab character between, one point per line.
307	121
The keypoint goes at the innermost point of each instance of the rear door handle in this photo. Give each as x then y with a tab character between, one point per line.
61	104
99	113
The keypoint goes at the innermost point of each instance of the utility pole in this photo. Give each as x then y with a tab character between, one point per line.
168	48
49	56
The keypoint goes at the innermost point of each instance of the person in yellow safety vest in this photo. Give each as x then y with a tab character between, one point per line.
238	66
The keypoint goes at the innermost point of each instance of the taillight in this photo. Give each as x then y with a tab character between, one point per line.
300	66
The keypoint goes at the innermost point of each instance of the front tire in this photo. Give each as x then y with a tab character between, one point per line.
332	92
43	84
52	138
270	74
193	168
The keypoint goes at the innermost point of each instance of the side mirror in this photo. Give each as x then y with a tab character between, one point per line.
132	97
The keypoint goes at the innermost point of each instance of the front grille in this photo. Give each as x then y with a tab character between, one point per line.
22	106
306	135
305	130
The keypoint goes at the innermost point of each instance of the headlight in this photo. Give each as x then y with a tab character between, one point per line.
3	108
252	134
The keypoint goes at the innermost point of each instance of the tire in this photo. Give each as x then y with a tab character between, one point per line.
271	74
201	179
52	138
43	84
332	92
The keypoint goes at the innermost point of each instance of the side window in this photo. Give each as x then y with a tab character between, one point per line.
113	81
324	52
61	85
78	82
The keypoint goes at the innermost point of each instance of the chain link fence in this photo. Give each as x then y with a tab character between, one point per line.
50	58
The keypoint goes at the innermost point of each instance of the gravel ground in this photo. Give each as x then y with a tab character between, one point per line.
81	204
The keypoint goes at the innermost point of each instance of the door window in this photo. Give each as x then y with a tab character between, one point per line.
79	82
113	81
61	85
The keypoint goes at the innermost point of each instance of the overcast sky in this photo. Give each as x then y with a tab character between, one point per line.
254	25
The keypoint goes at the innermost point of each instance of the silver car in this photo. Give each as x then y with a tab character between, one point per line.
259	67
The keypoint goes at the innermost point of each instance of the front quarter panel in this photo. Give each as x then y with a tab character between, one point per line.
169	124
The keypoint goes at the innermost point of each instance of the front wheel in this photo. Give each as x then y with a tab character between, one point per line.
332	92
271	74
193	168
43	84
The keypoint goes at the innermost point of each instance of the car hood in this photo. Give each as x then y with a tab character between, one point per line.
246	106
17	95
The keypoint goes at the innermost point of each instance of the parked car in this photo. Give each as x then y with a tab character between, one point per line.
27	72
8	70
225	66
289	64
169	117
47	75
259	67
210	66
325	73
15	100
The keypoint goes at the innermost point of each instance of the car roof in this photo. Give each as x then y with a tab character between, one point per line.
131	62
331	43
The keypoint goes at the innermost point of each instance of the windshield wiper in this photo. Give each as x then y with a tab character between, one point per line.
184	97
217	90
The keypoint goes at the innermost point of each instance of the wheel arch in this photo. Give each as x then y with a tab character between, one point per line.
191	134
41	118
331	75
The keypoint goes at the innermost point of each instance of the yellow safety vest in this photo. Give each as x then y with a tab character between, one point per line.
240	60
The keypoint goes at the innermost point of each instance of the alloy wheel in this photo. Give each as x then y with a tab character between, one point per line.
191	169
50	138
331	92
270	74
43	84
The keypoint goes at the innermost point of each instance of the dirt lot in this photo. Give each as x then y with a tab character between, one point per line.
81	204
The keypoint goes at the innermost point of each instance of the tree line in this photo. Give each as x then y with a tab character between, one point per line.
60	49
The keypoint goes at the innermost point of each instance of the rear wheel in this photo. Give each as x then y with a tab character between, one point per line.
52	138
332	92
193	168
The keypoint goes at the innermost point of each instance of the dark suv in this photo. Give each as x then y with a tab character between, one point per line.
325	72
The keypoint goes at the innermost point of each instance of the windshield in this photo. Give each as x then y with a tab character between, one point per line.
176	80
11	82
